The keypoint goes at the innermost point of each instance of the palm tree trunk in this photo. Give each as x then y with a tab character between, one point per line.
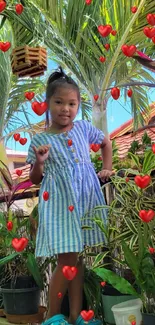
99	116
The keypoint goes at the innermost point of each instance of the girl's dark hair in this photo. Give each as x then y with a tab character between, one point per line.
58	79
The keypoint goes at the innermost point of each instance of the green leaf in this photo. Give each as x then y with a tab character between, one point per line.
34	270
130	225
101	225
98	259
131	259
140	246
135	159
116	281
86	228
8	258
149	159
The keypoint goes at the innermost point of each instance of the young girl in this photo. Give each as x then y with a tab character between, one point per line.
70	188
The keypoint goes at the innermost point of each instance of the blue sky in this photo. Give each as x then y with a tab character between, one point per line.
118	112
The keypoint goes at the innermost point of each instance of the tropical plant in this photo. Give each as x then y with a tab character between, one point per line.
14	105
76	44
17	243
142	267
70	30
15	115
130	230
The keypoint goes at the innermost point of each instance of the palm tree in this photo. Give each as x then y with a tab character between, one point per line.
69	30
12	100
13	88
77	43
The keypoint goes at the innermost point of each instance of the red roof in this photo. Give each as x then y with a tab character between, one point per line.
25	173
124	135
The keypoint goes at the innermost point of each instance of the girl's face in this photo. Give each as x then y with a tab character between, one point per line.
63	107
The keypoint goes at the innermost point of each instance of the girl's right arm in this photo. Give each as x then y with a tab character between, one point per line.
36	173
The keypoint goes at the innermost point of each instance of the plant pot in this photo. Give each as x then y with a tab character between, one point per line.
23	282
65	305
23	301
26	319
111	297
148	319
2	272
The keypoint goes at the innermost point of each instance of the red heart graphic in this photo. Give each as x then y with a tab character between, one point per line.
151	250
22	141
142	181
146	216
113	32
95	147
96	97
29	95
153	148
128	50
115	93
149	32
59	295
88	2
104	30
46	196
129	92
151	19
69	272
133	322
71	208
2	5
39	108
19	172
16	136
9	225
134	9
4	46
103	283
19	244
19	8
43	107
70	142
153	39
107	46
87	315
102	59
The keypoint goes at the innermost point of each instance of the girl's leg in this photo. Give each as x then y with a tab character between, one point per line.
59	283
75	290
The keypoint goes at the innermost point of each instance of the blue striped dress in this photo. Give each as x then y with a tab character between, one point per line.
71	180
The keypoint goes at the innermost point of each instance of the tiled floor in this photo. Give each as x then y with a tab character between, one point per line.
3	321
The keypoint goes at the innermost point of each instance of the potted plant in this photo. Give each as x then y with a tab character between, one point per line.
131	215
111	292
24	274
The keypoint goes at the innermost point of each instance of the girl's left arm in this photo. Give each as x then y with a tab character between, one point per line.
106	151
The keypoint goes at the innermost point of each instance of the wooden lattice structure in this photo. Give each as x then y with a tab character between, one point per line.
29	61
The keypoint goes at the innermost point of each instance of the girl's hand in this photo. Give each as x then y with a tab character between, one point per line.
105	174
41	153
